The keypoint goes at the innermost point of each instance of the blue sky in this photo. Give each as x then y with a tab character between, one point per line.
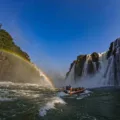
54	32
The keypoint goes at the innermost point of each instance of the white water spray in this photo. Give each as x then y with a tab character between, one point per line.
108	73
50	105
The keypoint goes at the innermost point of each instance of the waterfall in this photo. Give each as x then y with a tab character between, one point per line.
70	79
117	62
113	70
86	65
86	80
94	64
110	72
107	74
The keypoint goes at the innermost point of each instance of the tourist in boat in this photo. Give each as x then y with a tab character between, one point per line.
67	89
70	90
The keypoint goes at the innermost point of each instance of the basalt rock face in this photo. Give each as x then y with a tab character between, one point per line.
79	65
89	61
90	69
113	70
70	68
102	67
109	53
95	59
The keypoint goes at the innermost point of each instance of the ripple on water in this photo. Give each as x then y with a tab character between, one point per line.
88	118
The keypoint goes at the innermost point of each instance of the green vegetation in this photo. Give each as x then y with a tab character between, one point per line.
7	43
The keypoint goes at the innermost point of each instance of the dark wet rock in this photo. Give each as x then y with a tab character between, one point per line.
80	65
92	64
114	52
95	57
109	53
90	69
70	68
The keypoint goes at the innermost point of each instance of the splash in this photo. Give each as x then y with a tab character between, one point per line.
50	105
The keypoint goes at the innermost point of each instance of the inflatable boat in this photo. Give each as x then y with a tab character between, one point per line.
77	91
72	91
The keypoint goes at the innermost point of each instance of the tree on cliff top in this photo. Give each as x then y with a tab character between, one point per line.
7	43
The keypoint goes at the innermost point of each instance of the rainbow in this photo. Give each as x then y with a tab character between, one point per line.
33	65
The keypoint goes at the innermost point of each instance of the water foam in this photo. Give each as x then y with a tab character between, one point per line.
6	99
20	85
62	94
50	105
10	91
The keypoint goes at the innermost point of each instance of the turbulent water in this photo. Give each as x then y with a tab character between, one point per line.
23	101
33	102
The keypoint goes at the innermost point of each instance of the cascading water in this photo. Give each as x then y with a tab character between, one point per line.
104	72
113	71
109	75
70	78
117	63
86	65
94	64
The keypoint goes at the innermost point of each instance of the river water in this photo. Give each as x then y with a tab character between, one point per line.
34	102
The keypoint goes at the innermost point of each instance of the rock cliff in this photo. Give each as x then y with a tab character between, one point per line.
15	64
102	67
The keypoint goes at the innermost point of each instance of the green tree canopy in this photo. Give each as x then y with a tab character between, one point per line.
7	43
